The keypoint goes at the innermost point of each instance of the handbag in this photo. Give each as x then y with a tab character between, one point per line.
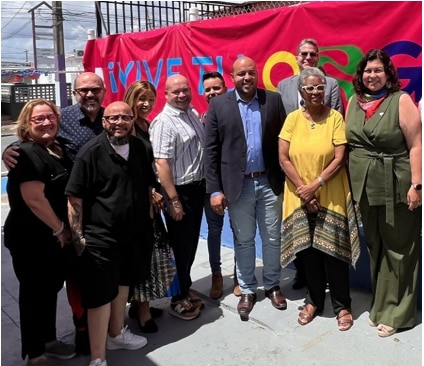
163	278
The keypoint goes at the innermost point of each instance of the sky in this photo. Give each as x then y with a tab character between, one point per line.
16	27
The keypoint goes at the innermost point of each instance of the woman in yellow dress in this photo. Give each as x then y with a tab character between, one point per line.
318	211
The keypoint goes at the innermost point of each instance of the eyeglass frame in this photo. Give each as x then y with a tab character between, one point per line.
314	88
120	118
96	90
51	117
306	53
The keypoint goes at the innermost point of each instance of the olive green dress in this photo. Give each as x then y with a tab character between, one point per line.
381	177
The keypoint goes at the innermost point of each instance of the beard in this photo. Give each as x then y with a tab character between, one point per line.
118	141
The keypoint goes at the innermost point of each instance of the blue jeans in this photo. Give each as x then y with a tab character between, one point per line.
257	205
215	223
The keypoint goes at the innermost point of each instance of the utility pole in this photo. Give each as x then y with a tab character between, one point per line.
59	58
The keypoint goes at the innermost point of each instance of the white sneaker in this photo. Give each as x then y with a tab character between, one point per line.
98	362
125	340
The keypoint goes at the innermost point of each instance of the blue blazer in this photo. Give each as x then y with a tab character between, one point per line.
225	143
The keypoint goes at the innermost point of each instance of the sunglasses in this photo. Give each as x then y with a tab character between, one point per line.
42	117
305	54
85	91
117	118
310	88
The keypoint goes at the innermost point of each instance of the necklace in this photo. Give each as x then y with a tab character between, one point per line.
313	119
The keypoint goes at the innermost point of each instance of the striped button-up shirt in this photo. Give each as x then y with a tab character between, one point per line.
178	136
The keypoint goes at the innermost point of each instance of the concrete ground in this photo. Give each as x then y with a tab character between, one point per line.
218	337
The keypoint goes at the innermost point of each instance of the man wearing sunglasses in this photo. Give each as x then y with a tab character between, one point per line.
307	55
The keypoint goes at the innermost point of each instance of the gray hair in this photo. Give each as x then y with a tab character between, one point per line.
307	41
310	71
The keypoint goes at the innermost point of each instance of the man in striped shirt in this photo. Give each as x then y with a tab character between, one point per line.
177	138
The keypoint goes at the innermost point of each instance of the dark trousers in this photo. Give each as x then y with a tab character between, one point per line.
320	268
41	277
184	234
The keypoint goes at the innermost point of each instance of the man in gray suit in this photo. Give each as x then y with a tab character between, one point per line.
307	55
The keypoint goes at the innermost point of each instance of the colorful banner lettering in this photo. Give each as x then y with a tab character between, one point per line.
345	31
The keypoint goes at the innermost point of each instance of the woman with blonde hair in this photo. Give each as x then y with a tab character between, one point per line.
141	97
36	230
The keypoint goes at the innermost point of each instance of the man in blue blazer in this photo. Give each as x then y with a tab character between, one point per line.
243	174
307	55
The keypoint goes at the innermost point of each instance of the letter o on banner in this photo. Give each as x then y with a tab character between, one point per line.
278	57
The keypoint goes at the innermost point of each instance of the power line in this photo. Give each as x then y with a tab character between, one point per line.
13	16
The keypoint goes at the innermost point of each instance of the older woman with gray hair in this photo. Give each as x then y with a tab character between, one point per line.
318	211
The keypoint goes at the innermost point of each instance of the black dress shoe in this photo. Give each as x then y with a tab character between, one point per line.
278	301
245	305
149	327
298	283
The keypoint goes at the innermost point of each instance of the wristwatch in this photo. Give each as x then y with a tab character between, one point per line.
417	187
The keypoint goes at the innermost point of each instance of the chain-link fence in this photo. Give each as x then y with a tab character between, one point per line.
114	17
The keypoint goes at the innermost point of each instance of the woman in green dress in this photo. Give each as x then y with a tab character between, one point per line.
383	129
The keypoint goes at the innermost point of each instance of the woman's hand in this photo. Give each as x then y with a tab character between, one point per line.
414	198
313	205
64	238
157	201
307	191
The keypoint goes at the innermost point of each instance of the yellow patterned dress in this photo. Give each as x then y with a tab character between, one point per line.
336	227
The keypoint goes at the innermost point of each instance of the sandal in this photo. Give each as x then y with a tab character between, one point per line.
385	330
307	314
371	323
344	320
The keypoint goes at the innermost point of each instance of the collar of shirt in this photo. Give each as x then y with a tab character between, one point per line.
239	99
175	111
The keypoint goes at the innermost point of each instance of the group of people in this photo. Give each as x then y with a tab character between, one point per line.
91	184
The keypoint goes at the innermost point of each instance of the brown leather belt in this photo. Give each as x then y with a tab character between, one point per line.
255	174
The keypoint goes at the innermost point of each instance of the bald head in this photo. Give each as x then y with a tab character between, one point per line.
178	92
118	122
89	91
245	77
118	107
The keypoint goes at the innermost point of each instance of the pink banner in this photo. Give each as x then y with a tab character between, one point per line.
345	31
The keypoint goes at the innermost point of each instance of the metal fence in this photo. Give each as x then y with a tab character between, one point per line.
14	96
114	17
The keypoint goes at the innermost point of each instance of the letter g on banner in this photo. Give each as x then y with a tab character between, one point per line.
278	57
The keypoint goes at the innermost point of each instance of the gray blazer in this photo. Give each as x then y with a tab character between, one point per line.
288	90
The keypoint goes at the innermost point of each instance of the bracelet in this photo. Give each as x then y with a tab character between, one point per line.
176	203
60	231
173	198
321	181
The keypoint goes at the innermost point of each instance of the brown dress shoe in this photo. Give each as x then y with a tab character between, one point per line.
278	301
216	288
245	305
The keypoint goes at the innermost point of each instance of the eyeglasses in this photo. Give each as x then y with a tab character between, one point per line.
305	54
310	88
85	91
42	117
117	118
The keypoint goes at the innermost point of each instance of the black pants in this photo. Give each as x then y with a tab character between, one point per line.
184	234
320	268
41	276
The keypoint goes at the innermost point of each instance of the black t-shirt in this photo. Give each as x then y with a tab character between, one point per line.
114	191
35	163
